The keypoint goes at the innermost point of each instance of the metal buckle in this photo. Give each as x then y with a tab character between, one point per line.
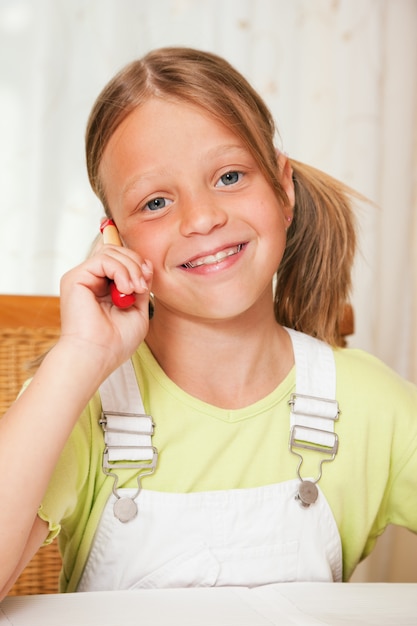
141	417
309	444
119	437
313	406
140	425
319	411
149	464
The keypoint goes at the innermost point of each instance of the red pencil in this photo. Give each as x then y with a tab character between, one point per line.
111	235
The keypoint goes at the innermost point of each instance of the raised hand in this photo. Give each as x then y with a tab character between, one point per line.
88	313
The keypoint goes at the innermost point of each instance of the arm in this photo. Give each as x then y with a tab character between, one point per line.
96	338
36	538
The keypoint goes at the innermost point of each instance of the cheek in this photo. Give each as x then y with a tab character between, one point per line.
141	241
274	232
272	220
154	246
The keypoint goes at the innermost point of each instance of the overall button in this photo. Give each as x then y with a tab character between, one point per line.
307	493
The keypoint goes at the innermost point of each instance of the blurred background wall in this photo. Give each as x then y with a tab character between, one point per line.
340	77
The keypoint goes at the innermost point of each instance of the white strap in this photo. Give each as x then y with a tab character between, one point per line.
120	391
315	367
127	429
314	408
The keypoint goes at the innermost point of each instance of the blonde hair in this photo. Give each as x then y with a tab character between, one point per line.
314	277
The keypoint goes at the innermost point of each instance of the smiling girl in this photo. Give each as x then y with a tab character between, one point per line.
228	439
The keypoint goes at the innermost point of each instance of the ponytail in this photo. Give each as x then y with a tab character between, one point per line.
314	277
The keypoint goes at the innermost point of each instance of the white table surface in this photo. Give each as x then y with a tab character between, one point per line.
290	604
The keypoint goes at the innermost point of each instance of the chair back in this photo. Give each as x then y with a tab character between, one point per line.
29	326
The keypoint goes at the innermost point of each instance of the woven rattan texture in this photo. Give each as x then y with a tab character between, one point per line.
19	350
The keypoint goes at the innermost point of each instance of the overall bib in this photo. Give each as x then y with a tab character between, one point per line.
241	537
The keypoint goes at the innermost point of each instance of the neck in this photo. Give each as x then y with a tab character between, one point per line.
228	363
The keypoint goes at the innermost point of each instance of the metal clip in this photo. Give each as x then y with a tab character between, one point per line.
135	419
313	406
319	411
121	453
146	463
315	439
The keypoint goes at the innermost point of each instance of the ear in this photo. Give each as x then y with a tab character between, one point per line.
285	177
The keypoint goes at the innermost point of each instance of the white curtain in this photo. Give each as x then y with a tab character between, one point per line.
339	75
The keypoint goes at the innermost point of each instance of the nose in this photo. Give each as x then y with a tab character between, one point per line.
201	215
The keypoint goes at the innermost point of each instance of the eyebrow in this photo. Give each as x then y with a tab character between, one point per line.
143	177
213	153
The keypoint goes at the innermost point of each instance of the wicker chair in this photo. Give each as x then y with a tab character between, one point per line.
29	325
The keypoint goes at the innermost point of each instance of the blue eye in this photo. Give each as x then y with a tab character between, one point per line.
230	178
156	204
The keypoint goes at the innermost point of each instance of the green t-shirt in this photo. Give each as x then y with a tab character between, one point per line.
371	483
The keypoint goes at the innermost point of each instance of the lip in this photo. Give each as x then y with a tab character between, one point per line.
213	258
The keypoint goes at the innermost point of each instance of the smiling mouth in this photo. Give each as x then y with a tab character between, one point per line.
212	259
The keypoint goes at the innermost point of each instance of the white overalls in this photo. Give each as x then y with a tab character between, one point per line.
245	537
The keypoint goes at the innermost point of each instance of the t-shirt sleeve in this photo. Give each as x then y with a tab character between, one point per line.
69	479
400	503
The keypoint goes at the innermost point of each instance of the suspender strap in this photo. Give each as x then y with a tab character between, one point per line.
314	408
120	391
127	428
316	372
128	434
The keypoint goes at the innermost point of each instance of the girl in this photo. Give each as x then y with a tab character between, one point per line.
227	440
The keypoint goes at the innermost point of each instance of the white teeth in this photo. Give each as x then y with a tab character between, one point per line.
214	258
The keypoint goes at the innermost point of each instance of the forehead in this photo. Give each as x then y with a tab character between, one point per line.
162	135
157	115
159	125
